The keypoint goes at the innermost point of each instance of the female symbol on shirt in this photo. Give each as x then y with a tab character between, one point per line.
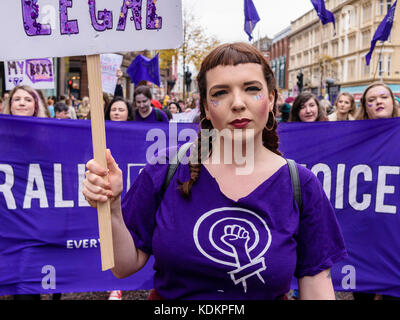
234	237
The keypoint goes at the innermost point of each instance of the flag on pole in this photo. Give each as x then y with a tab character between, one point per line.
383	31
250	17
143	68
324	15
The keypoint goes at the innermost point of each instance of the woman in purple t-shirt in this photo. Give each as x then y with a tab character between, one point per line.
227	227
145	112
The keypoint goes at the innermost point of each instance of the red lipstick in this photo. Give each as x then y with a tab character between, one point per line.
240	123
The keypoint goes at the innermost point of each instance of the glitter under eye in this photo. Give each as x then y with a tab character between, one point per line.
259	97
214	103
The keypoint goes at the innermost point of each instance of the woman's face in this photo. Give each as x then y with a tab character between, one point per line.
142	103
238	98
173	108
379	103
22	104
309	111
119	111
343	104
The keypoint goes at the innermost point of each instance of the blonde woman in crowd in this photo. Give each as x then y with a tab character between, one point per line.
25	101
345	108
84	108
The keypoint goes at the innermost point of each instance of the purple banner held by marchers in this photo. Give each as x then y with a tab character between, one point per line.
49	235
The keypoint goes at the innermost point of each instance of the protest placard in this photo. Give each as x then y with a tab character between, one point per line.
37	73
59	28
109	63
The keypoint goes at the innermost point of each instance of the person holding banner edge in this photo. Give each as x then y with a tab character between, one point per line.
241	243
377	102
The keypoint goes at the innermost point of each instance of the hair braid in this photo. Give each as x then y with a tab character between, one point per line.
198	155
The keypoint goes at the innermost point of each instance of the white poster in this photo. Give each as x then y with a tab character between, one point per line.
37	73
60	28
109	64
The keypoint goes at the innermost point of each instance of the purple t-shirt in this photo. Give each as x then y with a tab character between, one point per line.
211	247
152	117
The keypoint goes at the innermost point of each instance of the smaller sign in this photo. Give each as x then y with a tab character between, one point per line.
37	73
109	64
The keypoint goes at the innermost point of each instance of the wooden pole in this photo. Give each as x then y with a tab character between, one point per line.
99	153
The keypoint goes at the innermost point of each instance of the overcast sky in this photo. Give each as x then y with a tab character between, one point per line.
224	19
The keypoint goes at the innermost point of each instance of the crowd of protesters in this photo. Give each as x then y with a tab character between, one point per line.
377	102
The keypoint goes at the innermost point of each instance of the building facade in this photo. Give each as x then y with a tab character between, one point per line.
279	59
333	62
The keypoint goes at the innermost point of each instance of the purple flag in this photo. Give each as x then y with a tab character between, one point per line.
324	15
250	17
143	68
383	31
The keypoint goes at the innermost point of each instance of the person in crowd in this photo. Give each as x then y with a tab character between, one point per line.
71	108
182	105
50	107
84	108
1	105
25	101
119	91
306	108
173	107
61	111
285	109
279	102
326	106
119	110
248	239
345	107
144	111
377	102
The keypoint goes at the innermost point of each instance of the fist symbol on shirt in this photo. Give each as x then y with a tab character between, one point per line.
236	237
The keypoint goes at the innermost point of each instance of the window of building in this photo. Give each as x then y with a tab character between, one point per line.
366	12
352	43
389	65
366	39
381	7
335	49
351	69
366	69
380	66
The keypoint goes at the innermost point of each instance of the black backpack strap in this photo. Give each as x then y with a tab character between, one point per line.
158	114
173	165
294	176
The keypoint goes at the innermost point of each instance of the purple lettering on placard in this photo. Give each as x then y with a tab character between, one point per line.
136	7
39	70
105	16
21	66
30	12
67	26
153	20
12	65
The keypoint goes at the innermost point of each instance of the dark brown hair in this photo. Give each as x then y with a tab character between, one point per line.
298	103
362	112
230	54
107	112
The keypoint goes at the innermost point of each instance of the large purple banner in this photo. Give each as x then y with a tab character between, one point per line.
49	235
